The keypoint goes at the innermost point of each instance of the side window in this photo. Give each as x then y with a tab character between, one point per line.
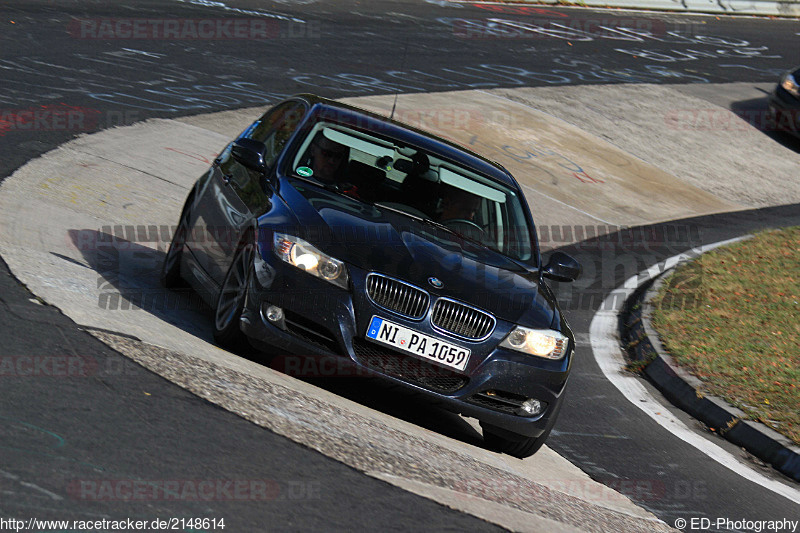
276	127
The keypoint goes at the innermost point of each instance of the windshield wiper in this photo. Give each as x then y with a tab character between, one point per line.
399	211
451	231
431	222
331	188
454	232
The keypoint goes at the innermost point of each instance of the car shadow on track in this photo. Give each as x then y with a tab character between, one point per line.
128	266
399	403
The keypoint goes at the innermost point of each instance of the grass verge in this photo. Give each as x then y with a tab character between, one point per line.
732	318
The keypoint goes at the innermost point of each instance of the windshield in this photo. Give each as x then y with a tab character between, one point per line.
376	170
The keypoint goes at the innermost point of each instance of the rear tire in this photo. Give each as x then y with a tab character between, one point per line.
232	297
171	267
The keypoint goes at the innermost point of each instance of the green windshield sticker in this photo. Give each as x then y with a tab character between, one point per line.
305	172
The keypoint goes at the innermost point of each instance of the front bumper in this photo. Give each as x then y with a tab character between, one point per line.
323	335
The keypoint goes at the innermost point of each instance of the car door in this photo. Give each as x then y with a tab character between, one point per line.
236	195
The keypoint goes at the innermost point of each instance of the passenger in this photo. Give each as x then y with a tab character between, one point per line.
458	204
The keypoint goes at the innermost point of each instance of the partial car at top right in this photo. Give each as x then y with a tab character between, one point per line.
784	103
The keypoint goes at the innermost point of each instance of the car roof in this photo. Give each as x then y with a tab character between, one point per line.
345	114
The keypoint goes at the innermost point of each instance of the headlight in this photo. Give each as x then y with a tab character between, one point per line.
790	84
304	256
539	342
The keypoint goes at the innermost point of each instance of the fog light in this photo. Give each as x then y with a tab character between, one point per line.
274	313
531	407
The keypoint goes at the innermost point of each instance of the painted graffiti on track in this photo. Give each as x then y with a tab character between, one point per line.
151	81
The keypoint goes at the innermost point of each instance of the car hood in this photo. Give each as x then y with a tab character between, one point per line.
376	239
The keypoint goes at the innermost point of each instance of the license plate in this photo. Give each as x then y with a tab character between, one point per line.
418	344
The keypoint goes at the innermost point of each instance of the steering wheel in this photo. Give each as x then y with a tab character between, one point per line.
468	225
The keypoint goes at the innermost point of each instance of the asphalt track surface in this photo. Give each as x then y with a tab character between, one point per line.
130	424
77	449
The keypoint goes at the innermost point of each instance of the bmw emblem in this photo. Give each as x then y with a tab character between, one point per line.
436	283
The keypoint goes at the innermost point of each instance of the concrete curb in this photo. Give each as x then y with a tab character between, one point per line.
683	389
763	8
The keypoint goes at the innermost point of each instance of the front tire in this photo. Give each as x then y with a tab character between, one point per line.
232	297
523	448
520	446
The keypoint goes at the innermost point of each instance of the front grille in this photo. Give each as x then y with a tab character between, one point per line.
461	319
397	296
407	368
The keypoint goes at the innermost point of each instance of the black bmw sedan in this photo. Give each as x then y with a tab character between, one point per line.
326	231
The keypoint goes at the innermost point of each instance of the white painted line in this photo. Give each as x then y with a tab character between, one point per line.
608	354
142	52
51	495
27	484
255	12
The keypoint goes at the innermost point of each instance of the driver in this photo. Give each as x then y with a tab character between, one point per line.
328	159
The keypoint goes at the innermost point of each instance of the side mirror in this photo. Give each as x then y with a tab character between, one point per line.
562	267
250	154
